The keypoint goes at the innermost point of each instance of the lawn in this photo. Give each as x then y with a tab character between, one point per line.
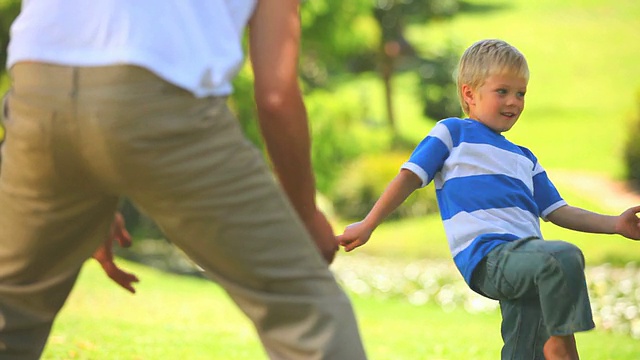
173	317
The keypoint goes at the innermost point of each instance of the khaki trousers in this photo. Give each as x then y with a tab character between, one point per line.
80	138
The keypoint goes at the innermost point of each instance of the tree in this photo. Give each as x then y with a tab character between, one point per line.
398	54
369	36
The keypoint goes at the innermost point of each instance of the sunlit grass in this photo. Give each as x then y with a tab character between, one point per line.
174	317
171	317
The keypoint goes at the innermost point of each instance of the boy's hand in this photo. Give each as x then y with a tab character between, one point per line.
354	235
628	223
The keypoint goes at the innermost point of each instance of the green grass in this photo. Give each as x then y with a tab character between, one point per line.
174	317
171	317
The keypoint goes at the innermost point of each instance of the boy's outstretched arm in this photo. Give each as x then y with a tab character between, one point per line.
626	224
394	195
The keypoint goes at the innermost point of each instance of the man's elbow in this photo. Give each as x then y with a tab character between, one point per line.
273	102
277	101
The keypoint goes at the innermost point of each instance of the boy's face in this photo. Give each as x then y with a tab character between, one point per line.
498	102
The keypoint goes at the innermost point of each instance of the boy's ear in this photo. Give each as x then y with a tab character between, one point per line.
468	94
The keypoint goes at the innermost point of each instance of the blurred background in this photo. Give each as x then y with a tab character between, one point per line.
377	75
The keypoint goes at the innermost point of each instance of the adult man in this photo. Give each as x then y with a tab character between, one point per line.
117	98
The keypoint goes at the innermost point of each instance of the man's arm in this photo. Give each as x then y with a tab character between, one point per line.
626	224
274	42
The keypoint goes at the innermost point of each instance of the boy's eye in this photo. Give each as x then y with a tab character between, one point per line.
501	91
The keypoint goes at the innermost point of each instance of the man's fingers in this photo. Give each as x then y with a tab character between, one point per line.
119	231
125	280
124	238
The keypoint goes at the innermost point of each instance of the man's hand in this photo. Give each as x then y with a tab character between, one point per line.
104	254
628	223
322	234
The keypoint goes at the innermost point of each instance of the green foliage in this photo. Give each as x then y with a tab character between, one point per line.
437	87
632	149
9	9
242	104
335	36
364	180
340	133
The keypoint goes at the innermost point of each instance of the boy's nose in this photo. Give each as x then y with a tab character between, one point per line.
514	100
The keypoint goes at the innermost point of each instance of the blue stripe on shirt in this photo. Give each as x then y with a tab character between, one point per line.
546	194
481	192
474	132
467	260
430	155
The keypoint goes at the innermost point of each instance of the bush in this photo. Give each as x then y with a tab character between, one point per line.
437	85
632	148
363	181
340	133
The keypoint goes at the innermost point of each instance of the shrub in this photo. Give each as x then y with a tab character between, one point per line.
364	180
437	85
632	148
340	133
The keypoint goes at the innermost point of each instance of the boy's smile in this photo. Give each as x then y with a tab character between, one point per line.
498	102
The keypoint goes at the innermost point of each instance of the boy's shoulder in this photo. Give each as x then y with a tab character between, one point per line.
528	153
461	128
453	121
452	124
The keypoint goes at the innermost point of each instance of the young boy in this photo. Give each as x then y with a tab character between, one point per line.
491	194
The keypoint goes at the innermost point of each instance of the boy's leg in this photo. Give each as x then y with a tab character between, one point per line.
532	276
561	348
523	331
51	220
186	163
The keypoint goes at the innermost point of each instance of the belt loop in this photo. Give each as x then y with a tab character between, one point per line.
74	82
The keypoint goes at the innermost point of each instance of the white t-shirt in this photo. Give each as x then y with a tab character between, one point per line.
194	44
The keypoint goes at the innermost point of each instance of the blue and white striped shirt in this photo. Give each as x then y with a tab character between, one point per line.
489	190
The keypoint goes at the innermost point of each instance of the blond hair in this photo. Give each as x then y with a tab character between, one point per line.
485	58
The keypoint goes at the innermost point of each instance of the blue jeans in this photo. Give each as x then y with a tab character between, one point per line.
542	291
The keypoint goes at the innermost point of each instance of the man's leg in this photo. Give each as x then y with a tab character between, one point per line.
51	219
186	163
